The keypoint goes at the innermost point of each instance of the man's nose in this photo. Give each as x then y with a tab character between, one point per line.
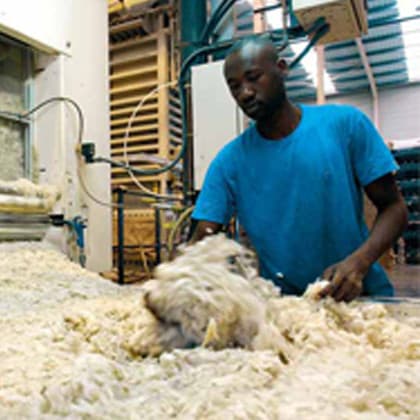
247	93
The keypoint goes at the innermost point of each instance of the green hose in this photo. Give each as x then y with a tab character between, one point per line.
182	218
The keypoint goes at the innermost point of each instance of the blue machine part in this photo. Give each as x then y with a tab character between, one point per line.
78	225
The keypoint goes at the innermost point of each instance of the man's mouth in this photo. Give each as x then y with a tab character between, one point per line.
251	108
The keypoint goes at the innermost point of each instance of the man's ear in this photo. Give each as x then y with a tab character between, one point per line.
283	66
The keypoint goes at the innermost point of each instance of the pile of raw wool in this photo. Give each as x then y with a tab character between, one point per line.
105	353
212	293
35	276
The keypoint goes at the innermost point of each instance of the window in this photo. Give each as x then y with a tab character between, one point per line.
15	82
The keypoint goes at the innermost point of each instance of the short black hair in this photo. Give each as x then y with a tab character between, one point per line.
259	40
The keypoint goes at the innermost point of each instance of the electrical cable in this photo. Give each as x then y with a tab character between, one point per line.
79	142
219	13
320	27
126	135
24	117
215	18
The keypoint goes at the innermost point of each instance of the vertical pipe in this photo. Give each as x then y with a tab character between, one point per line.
193	20
158	244
163	100
260	24
120	221
320	64
29	103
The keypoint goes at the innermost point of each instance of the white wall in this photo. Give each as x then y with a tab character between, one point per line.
83	76
215	116
44	24
399	110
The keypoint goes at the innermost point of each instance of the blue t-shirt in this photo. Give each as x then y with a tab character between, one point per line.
300	199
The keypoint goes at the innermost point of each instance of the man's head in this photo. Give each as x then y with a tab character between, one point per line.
255	76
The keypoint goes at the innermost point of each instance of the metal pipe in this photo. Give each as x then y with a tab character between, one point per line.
371	78
120	226
14	117
193	20
320	64
267	8
158	244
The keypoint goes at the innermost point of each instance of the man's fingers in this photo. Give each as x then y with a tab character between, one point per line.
325	291
351	296
343	291
355	291
350	288
331	288
328	274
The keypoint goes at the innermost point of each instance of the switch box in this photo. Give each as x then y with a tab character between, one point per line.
347	18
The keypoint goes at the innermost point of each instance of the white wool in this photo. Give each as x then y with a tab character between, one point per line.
79	355
35	275
313	290
39	197
199	287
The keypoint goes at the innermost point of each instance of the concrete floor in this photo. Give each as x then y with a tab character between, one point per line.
406	280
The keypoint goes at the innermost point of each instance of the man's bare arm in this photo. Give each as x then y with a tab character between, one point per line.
391	219
346	277
203	229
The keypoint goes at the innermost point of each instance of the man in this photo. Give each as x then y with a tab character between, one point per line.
295	180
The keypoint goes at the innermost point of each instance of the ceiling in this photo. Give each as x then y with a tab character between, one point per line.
392	46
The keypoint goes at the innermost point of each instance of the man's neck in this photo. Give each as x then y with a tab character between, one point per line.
281	123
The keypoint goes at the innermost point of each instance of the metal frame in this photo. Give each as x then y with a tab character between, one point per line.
121	192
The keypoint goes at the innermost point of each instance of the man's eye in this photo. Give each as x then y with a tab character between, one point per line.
254	77
234	87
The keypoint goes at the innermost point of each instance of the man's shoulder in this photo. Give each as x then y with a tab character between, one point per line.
333	109
341	117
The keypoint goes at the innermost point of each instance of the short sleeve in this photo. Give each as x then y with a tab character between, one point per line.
215	202
370	156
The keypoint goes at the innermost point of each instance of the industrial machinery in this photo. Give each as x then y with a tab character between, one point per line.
25	214
24	210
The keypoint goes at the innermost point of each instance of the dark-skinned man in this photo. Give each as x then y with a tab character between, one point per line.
295	180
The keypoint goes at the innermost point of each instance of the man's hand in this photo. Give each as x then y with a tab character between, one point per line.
346	279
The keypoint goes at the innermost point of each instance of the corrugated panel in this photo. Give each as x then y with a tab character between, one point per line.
391	45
